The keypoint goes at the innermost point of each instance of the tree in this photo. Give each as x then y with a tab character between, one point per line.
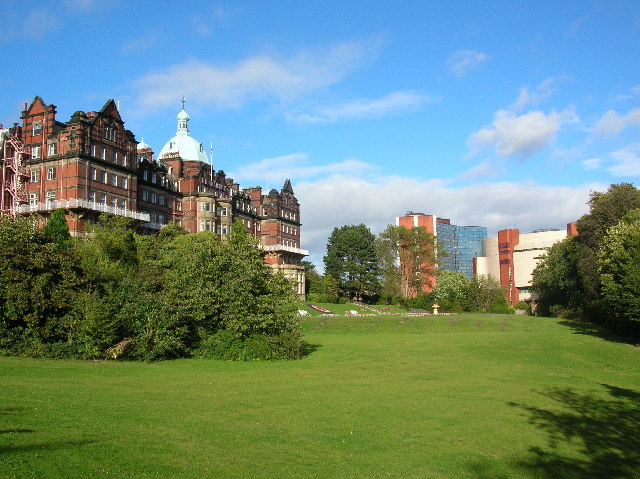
484	291
408	260
619	267
452	289
314	282
569	277
557	278
57	229
351	260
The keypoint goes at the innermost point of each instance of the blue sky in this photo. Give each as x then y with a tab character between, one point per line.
502	114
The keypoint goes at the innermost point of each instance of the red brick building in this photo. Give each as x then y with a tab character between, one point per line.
92	165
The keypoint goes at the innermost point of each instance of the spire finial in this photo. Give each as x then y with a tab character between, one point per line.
184	100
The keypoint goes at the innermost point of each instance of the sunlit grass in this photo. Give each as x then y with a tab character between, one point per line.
382	396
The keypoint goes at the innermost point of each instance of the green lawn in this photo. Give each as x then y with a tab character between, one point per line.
468	396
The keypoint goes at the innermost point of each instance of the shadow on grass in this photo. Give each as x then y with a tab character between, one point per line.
14	431
579	326
47	446
589	436
310	348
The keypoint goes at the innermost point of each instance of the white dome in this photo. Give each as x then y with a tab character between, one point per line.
142	145
183	145
186	147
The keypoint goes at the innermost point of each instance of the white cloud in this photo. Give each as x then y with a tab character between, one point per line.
463	61
540	93
295	166
626	161
349	199
140	44
612	122
364	108
257	78
591	164
481	170
519	136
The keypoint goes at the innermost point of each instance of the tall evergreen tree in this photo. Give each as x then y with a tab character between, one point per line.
352	261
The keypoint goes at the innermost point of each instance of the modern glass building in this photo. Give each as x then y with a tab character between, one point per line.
461	244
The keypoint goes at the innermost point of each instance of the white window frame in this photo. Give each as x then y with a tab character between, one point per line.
50	199
35	152
35	176
51	150
51	173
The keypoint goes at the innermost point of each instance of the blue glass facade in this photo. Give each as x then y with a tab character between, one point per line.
462	244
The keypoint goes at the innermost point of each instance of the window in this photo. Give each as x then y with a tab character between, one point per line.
93	173
103	176
153	197
33	199
123	182
145	195
145	175
161	200
124	160
35	176
104	154
154	178
222	211
51	199
224	230
92	197
35	152
94	150
113	202
114	180
115	157
51	173
205	206
103	199
37	129
52	149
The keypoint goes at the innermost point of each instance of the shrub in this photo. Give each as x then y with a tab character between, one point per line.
501	306
226	346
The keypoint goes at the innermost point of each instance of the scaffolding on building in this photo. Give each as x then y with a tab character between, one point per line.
13	176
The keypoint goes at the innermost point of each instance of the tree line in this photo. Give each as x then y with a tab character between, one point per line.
116	294
596	274
397	266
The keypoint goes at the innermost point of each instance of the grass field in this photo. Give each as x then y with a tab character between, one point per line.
466	396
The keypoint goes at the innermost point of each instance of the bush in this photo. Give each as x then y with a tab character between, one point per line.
524	306
501	306
226	346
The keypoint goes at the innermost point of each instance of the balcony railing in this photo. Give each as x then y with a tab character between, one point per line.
89	205
281	247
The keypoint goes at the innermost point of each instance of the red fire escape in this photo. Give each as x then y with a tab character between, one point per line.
13	175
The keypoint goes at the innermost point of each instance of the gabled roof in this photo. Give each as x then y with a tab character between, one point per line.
111	109
38	106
